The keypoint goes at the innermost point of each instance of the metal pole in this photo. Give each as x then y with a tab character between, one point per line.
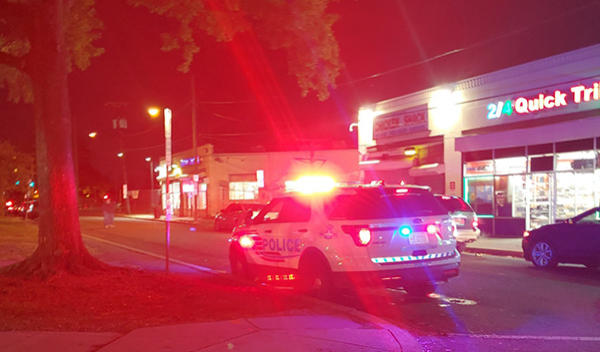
195	151
167	113
151	188
124	171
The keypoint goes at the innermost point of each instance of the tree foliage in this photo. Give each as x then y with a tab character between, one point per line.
303	29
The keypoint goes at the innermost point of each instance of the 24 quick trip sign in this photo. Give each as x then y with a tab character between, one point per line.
576	95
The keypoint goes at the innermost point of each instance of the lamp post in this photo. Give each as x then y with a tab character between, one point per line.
149	159
154	112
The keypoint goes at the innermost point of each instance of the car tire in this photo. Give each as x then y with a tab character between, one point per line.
543	255
315	278
238	264
420	289
217	226
461	246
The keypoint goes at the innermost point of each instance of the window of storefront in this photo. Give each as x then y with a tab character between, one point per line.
243	187
538	184
175	195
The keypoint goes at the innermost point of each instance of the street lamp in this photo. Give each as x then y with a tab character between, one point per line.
152	198
154	112
92	134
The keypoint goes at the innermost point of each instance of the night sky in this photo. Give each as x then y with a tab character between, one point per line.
389	48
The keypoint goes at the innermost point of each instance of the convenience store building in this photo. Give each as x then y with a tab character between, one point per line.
521	145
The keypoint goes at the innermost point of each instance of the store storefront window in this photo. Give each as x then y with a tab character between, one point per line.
243	187
478	192
478	168
244	190
575	160
515	165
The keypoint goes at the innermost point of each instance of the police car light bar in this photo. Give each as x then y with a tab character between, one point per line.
311	184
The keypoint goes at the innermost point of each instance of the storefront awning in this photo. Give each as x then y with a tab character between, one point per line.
566	131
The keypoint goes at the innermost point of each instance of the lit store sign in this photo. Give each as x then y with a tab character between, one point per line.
189	161
522	105
404	122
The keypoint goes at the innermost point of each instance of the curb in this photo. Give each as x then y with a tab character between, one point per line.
160	220
495	252
406	341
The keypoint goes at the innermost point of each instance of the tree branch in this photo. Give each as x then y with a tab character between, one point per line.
12	61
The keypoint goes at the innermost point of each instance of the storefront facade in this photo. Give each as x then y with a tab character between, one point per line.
223	178
521	145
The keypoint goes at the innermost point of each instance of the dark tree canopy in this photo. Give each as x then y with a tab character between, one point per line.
41	41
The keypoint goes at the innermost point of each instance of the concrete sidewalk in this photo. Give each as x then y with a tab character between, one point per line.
497	246
275	334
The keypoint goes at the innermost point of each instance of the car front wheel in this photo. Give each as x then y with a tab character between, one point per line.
315	279
543	255
238	264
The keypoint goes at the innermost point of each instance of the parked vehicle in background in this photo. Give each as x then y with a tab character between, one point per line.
465	219
236	214
349	237
10	208
29	209
576	240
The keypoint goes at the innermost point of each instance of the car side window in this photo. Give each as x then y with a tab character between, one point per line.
236	208
592	218
295	210
271	212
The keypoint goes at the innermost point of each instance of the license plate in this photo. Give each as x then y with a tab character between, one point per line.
459	221
418	238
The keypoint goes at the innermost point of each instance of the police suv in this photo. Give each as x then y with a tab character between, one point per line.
349	236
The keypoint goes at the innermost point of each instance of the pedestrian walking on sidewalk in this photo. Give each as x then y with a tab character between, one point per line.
108	210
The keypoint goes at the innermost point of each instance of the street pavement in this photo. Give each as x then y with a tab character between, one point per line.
498	303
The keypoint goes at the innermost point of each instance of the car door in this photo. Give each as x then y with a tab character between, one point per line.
587	225
232	212
267	224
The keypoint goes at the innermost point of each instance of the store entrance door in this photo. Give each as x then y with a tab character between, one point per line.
539	199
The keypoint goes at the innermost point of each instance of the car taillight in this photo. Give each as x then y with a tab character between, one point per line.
526	234
475	223
364	236
433	229
361	234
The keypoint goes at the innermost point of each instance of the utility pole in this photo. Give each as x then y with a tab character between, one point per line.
195	151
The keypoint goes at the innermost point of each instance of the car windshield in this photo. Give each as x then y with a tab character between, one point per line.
254	207
382	203
453	204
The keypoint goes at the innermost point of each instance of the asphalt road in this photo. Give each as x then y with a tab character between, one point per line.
496	303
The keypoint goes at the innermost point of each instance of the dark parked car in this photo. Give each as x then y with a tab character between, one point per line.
574	241
236	214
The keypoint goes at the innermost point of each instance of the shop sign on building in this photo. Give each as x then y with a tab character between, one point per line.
403	122
575	95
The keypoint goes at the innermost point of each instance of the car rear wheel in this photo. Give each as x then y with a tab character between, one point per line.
461	246
420	289
543	255
217	226
315	279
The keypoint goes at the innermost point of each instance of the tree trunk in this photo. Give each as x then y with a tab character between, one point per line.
60	247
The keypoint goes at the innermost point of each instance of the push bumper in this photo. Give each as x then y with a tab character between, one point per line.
394	278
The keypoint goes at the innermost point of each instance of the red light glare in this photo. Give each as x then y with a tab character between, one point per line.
432	229
106	197
9	203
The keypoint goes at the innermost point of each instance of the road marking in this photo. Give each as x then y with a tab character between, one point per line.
510	337
197	267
